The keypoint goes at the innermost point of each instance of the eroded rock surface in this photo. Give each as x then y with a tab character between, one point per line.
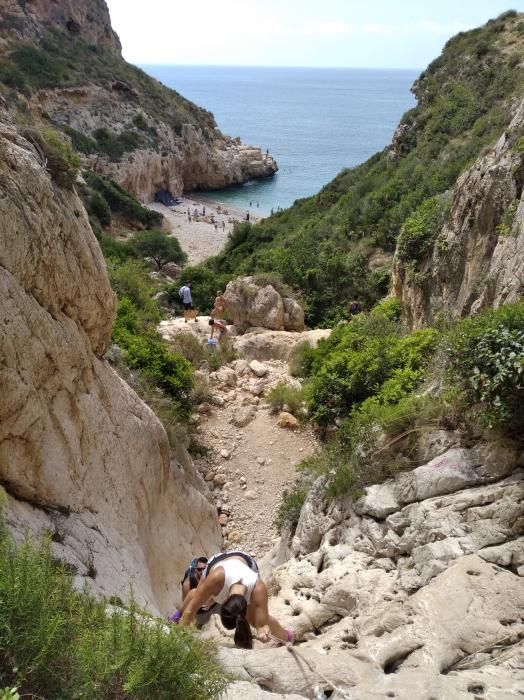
81	456
477	260
252	302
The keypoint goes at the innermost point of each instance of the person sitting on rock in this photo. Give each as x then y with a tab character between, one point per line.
232	579
219	306
190	581
219	326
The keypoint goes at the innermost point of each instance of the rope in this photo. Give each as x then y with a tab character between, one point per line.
294	651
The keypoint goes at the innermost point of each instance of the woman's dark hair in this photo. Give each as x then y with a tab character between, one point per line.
211	322
233	616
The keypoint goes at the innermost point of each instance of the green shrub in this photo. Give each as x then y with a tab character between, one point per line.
204	285
486	356
81	142
284	395
419	231
115	145
130	280
121	201
39	68
301	359
360	358
190	347
158	246
56	642
221	355
290	505
60	160
391	308
201	391
97	206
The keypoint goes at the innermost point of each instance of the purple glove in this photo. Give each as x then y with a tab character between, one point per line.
175	617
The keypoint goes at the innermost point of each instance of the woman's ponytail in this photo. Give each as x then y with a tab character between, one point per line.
233	616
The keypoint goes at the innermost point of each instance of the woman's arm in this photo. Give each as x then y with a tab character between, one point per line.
260	610
207	587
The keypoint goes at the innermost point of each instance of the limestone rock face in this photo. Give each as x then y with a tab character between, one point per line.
254	303
80	454
261	344
478	258
85	19
414	591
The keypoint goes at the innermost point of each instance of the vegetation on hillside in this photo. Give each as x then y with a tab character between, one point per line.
366	381
57	642
62	60
322	245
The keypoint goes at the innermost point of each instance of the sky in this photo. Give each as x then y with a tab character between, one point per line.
313	33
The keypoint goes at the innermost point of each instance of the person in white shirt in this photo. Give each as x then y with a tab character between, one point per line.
232	579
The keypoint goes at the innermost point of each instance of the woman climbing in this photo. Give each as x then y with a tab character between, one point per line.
232	579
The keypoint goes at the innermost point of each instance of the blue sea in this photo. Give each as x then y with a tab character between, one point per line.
314	121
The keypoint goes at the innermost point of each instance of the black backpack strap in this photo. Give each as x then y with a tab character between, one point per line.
226	555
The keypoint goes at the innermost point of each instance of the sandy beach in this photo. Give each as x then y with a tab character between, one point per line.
196	231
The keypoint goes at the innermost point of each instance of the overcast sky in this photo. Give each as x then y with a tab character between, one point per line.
342	33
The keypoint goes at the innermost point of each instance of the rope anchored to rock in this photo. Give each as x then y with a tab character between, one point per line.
317	690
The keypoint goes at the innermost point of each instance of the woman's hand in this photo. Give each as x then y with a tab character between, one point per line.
187	618
264	633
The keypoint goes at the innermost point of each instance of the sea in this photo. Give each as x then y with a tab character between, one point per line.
314	121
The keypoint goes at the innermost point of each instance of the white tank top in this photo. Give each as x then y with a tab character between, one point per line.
236	571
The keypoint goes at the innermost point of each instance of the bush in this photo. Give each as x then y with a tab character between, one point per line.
486	357
190	347
115	145
97	206
391	308
122	201
419	231
289	508
131	282
359	358
221	355
56	642
158	246
204	285
60	160
301	359
283	395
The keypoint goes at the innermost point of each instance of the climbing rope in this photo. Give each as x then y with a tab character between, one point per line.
294	651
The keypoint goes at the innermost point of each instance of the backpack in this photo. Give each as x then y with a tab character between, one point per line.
181	292
355	307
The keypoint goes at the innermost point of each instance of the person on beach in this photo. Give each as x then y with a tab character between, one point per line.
223	225
218	326
216	226
232	579
247	216
203	211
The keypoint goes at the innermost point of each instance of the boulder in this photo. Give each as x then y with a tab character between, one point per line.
259	369
250	302
287	420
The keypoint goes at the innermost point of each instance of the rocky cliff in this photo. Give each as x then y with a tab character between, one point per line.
89	20
81	456
476	259
413	591
61	62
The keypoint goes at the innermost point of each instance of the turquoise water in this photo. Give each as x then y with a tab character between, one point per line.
314	121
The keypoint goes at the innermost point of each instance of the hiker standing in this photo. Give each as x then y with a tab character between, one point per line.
219	306
354	308
185	295
232	579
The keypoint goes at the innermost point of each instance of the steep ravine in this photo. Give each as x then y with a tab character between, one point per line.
81	456
414	591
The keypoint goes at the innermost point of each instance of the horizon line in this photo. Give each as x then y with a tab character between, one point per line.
257	65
